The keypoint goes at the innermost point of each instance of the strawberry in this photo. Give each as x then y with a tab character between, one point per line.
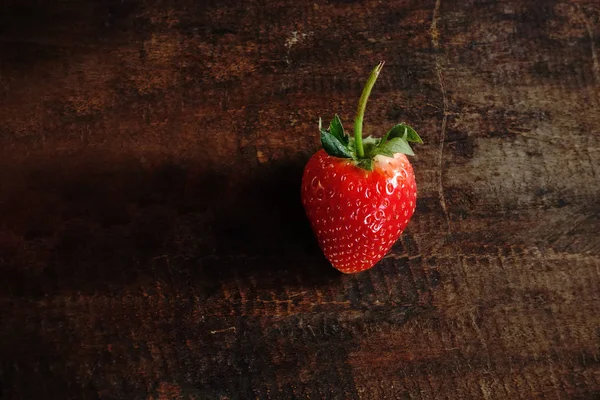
359	194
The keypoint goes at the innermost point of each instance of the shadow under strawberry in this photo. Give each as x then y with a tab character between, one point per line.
260	230
90	224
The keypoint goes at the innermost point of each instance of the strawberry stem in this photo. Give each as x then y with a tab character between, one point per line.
362	105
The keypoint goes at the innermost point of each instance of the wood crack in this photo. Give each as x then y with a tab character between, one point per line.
590	32
435	35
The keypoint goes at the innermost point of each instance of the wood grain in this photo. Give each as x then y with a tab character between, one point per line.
152	240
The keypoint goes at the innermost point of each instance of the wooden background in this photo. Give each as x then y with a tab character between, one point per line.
152	241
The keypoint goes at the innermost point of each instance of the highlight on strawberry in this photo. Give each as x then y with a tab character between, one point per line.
360	193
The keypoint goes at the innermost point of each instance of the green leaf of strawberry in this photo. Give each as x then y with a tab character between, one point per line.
370	144
333	146
404	131
366	163
337	130
395	145
359	194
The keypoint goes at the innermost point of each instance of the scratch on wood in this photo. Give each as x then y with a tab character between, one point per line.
485	391
303	293
231	328
296	37
481	339
435	35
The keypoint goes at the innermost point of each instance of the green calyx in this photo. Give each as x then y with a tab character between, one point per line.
337	143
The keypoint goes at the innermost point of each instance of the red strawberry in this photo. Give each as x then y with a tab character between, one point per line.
360	194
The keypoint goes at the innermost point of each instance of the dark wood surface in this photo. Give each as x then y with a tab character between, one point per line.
152	241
